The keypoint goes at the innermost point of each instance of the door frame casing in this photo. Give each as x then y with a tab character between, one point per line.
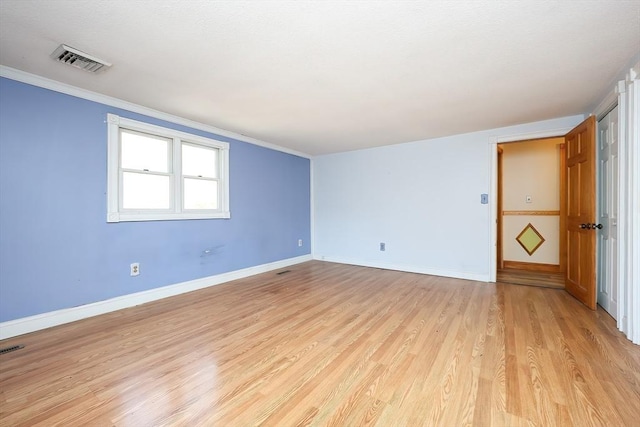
493	177
499	220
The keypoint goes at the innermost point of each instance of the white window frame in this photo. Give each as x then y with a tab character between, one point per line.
175	212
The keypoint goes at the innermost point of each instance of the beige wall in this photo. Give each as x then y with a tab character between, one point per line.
531	168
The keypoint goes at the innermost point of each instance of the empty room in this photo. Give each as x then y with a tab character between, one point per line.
319	213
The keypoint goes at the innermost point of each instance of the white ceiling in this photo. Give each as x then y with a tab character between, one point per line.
328	76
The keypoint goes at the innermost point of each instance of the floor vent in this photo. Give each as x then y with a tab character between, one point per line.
283	272
10	349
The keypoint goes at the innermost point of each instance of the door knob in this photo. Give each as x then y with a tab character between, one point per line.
598	226
585	226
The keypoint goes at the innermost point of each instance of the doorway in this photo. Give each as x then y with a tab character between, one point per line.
530	192
579	253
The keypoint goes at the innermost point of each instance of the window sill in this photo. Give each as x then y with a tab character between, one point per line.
125	217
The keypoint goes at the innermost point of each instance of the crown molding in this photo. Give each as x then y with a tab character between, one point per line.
56	86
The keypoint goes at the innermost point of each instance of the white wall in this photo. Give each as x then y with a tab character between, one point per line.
421	198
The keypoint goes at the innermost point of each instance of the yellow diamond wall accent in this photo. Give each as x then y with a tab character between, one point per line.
530	239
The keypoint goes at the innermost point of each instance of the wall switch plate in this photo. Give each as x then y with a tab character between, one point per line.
484	199
527	199
299	242
383	247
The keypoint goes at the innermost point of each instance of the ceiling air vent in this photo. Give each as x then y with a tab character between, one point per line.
78	59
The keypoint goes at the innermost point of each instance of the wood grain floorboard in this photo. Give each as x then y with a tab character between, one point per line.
330	345
531	278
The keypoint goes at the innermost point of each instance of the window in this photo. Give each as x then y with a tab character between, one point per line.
155	173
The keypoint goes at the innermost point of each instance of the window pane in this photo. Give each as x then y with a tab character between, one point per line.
144	152
145	191
199	161
200	194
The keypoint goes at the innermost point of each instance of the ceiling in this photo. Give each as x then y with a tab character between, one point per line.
327	76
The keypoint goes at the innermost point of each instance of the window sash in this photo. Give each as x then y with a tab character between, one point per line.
169	141
121	193
202	147
203	179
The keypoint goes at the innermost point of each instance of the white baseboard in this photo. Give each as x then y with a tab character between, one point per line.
25	325
408	268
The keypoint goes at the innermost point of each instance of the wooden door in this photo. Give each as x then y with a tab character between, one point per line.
580	279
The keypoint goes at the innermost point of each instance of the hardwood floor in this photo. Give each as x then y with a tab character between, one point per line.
531	278
335	345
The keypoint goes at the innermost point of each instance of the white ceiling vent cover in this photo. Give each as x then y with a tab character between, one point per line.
79	59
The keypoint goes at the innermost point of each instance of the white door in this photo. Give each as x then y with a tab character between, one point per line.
608	212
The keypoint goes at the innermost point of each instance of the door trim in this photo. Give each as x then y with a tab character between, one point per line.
493	184
499	221
562	254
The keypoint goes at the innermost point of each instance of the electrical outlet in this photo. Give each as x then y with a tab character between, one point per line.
383	246
299	242
135	269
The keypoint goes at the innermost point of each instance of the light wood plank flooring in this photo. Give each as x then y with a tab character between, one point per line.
330	345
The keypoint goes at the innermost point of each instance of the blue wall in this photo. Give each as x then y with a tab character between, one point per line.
56	248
